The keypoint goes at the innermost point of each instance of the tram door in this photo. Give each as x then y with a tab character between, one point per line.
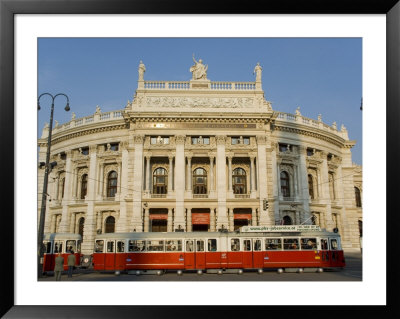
258	254
120	258
200	255
247	253
190	261
324	252
109	262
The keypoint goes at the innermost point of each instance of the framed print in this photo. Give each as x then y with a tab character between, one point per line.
27	29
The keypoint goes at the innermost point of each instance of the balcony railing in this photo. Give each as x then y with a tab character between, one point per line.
158	195
200	195
242	195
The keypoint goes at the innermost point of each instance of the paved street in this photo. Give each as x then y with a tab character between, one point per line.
352	272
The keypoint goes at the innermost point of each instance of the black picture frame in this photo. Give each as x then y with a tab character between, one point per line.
8	10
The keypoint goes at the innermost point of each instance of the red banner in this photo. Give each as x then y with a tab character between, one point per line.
200	219
158	216
242	216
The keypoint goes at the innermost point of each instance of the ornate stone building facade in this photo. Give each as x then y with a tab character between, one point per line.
199	156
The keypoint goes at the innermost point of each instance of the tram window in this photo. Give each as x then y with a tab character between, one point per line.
247	245
79	246
173	245
308	243
47	246
273	244
99	246
200	245
257	245
110	246
58	247
71	245
189	245
212	245
235	244
290	243
120	246
334	244
136	245
155	245
324	244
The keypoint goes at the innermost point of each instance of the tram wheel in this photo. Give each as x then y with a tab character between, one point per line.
320	270
260	271
219	272
179	272
199	272
300	270
280	271
240	271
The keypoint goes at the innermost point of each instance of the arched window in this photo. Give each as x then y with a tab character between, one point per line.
287	220
285	188
112	184
160	181
84	181
81	224
310	186
110	224
239	181
199	181
358	196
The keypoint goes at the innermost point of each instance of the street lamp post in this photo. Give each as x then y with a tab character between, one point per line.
40	250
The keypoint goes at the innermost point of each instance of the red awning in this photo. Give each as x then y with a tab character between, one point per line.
200	218
242	216
158	216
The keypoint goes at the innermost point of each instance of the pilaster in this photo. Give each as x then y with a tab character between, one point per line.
136	221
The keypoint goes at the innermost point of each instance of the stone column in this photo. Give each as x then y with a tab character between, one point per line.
265	217
253	217
89	231
231	221
146	220
101	180
212	219
76	185
53	223
171	158
122	224
253	175
69	176
212	189
179	218
303	179
99	221
230	190
221	182
148	174
189	220
72	223
326	193
189	174
169	221
136	221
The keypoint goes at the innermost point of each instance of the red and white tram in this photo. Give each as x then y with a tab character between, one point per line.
259	247
60	243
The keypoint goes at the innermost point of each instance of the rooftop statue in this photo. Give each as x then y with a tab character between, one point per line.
141	71
258	71
199	70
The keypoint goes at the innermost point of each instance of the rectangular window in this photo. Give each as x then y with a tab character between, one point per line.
120	246
235	244
47	246
308	243
159	140
247	244
324	244
85	150
212	245
200	245
155	245
71	245
189	245
58	247
283	148
173	245
273	244
257	245
334	244
136	245
99	246
290	244
110	246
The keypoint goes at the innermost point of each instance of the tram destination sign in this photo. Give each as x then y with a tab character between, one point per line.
279	228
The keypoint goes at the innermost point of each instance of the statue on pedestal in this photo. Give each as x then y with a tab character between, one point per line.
141	71
258	71
199	70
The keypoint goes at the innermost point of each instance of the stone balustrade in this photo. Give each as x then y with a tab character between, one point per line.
185	85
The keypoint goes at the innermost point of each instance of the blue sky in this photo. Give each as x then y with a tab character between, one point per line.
321	75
